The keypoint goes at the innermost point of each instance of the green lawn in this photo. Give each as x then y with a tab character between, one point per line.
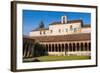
57	58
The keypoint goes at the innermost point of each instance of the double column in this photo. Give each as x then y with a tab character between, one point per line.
28	47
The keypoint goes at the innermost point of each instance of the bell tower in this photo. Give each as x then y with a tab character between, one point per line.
63	19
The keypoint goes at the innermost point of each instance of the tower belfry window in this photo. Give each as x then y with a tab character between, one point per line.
63	19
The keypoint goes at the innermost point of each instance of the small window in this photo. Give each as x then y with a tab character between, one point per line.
43	32
59	30
71	28
51	31
66	30
75	29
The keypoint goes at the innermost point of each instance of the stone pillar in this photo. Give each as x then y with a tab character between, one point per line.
61	48
72	46
57	48
54	47
28	51
25	51
75	47
48	47
68	50
32	52
64	49
87	46
79	46
83	46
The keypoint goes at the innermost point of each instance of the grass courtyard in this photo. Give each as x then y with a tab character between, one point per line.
56	58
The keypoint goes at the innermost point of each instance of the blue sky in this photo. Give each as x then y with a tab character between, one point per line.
32	18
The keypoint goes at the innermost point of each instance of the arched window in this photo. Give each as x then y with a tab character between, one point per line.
59	48
46	47
70	47
66	47
85	46
89	46
64	20
52	47
56	49
73	46
49	48
77	46
82	47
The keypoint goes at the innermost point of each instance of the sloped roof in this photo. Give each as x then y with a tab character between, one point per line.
86	25
39	29
59	38
71	21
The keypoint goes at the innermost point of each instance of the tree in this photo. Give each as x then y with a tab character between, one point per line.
39	50
41	25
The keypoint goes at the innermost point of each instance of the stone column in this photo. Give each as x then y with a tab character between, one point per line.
87	46
25	51
32	47
72	46
64	49
48	47
60	48
75	47
68	50
32	52
79	46
83	46
54	47
28	51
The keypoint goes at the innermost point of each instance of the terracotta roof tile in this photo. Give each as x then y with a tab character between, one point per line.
71	37
71	21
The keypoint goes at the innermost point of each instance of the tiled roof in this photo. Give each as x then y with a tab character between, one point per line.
86	25
71	21
59	38
39	29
